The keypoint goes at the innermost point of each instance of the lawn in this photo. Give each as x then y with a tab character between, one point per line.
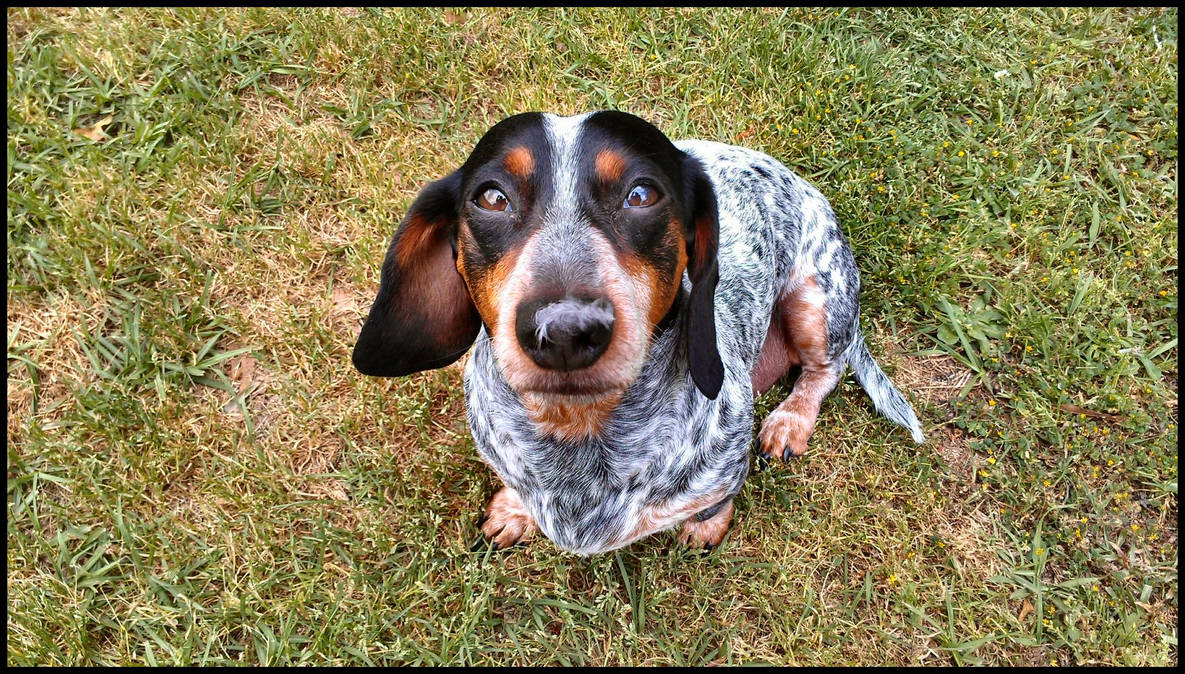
198	206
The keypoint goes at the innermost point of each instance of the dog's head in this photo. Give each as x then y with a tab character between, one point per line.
568	238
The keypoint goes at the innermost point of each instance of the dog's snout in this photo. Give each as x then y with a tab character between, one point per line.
565	334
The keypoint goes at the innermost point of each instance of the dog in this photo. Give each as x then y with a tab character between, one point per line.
626	298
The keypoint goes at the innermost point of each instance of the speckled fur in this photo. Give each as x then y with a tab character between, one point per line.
666	444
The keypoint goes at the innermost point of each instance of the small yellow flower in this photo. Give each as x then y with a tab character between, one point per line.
992	403
961	153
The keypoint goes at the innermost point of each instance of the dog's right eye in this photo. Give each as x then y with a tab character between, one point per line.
492	199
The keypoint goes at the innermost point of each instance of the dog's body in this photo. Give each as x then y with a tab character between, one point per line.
602	440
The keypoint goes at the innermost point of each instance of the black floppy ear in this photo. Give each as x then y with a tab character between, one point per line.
702	230
423	317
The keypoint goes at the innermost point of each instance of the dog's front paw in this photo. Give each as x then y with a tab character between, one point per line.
708	533
784	433
507	521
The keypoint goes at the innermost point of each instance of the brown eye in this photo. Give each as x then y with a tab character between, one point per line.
493	200
640	197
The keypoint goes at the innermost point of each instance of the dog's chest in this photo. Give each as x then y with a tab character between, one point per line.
664	453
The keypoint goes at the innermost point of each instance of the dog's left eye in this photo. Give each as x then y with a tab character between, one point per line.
640	197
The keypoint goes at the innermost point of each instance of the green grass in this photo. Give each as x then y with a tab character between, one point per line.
197	475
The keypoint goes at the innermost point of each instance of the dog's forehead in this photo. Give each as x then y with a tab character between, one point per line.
527	128
567	137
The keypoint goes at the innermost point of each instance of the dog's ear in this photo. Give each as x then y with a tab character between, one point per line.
423	317
702	230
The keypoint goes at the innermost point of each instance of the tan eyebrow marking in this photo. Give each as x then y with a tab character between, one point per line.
519	162
610	166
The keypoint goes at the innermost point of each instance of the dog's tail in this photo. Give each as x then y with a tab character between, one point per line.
885	397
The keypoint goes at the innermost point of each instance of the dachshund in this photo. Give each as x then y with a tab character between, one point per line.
625	298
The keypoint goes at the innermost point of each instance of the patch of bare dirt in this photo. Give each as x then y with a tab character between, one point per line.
933	379
951	445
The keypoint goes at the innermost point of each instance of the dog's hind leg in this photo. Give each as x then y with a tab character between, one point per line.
801	332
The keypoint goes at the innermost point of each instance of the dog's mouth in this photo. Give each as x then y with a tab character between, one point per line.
568	389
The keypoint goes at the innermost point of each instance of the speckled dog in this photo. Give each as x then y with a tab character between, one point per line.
628	297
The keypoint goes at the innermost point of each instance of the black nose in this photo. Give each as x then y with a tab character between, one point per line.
565	334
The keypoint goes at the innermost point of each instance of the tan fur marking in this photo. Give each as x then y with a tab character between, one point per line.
570	421
519	162
644	274
485	287
805	323
507	520
610	166
709	532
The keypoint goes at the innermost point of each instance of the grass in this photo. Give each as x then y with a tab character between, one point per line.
198	203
